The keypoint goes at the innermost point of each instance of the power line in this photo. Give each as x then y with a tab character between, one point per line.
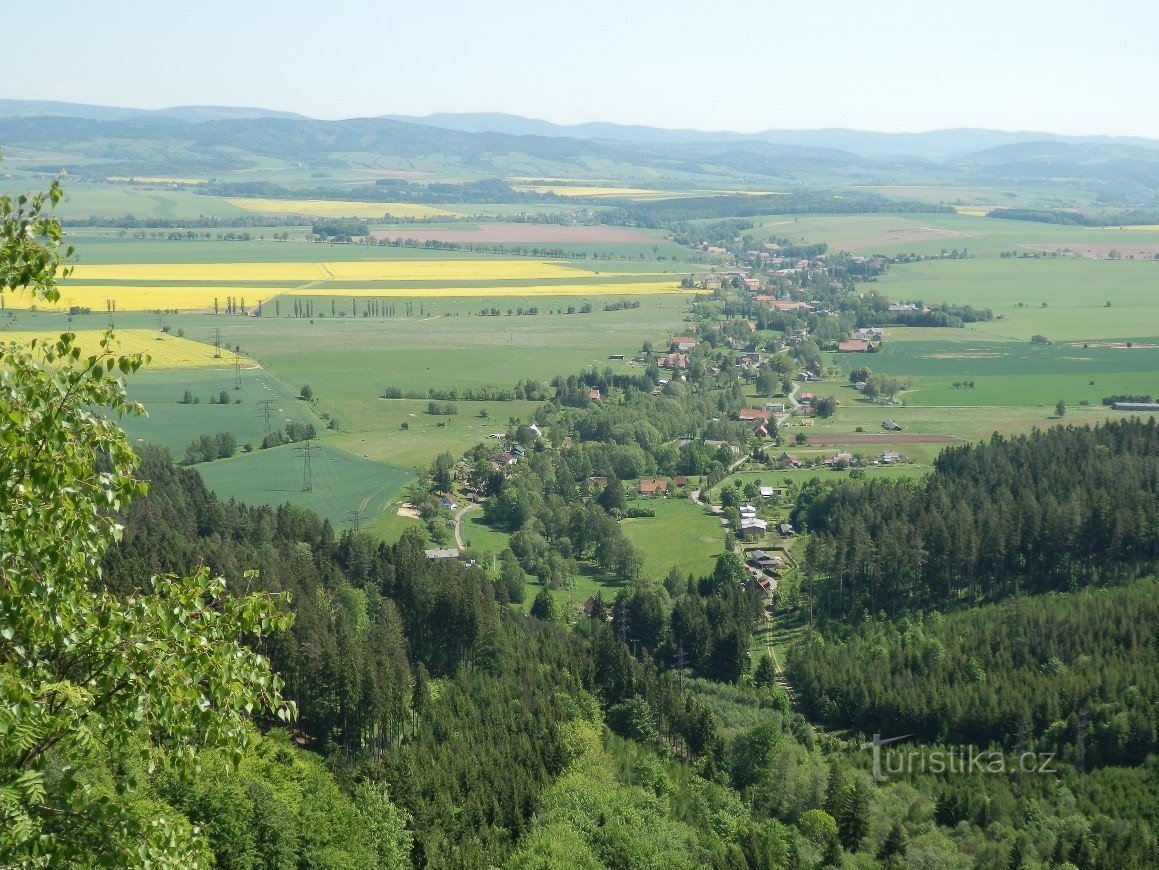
307	469
265	410
356	516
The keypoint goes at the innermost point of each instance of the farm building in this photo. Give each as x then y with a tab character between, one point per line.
449	553
683	342
855	345
789	459
752	414
786	530
673	361
446	502
594	395
890	425
652	487
770	492
890	458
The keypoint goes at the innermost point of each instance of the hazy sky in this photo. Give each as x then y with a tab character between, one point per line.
1065	66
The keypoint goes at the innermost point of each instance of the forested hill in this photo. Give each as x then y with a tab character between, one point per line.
409	676
445	717
1053	510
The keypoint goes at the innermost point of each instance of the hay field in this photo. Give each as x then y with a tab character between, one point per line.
339	208
166	352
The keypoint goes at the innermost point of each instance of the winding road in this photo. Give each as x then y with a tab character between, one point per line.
470	506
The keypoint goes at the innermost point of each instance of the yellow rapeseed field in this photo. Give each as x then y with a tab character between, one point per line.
449	270
200	272
434	291
362	270
340	208
142	297
196	286
165	351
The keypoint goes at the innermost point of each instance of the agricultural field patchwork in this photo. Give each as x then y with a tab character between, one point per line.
202	286
339	208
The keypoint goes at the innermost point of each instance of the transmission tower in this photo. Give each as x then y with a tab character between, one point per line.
356	517
264	410
217	343
307	470
237	369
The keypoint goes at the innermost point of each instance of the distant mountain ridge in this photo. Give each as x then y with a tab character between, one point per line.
935	145
193	114
213	140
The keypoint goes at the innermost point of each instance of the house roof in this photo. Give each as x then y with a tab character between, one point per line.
854	345
754	414
647	486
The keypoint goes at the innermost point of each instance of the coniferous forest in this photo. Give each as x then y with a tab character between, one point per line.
490	738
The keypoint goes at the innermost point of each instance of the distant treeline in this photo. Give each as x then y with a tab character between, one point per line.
340	229
944	316
1076	218
131	222
523	390
488	190
1124	397
670	212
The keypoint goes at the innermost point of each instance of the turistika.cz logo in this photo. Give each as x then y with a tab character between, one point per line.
956	759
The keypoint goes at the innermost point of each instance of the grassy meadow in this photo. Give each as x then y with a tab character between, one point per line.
682	535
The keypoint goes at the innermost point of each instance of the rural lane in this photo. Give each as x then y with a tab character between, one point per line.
459	523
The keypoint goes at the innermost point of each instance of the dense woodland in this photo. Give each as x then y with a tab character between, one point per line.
482	733
1053	510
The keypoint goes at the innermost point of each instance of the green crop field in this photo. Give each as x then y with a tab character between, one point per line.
342	482
930	233
681	534
174	425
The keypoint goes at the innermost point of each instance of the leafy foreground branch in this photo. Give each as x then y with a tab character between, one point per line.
159	675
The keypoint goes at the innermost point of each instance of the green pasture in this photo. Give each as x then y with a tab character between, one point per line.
778	477
1006	373
477	535
342	482
681	534
372	427
930	233
115	200
174	425
1075	293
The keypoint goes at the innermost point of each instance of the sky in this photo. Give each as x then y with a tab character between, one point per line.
1063	66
